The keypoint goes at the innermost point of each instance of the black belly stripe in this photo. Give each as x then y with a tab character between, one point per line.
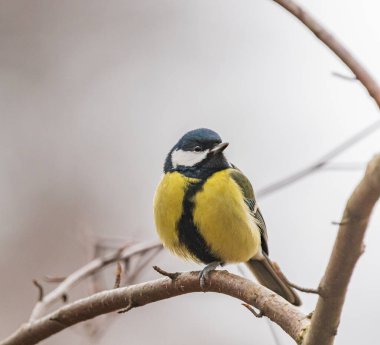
188	233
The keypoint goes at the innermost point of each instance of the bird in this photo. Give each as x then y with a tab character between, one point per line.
205	211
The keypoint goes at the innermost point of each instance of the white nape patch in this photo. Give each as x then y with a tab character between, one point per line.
188	158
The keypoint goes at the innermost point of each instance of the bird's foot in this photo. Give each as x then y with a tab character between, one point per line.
203	275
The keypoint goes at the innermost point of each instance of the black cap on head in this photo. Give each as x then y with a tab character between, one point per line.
198	152
204	137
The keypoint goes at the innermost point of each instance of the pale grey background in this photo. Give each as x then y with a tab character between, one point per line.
92	96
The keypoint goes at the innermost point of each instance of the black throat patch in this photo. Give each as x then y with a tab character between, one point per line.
188	233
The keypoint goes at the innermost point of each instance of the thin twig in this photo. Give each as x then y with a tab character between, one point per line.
125	310
273	331
172	276
303	289
335	46
297	287
40	290
130	306
87	270
321	162
118	275
147	257
339	223
343	76
343	166
52	279
259	314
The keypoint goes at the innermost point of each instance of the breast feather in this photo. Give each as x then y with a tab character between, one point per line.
168	208
224	219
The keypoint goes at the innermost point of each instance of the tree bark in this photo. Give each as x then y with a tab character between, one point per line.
346	252
270	304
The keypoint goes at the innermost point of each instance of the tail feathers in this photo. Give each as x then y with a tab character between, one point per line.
269	275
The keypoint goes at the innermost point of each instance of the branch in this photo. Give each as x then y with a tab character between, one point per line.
335	46
321	162
270	304
360	74
347	249
321	330
345	166
40	290
87	270
343	76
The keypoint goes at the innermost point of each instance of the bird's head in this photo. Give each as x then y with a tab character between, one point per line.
197	153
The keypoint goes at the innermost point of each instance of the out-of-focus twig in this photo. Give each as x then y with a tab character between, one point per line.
360	74
53	279
344	77
320	163
135	271
119	271
87	270
344	166
40	290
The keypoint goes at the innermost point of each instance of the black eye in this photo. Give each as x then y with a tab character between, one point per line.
197	149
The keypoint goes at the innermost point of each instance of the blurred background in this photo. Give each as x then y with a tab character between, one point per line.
93	94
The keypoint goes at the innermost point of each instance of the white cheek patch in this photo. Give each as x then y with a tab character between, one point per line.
187	158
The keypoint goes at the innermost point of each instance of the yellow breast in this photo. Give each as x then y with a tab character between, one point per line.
168	203
220	215
224	219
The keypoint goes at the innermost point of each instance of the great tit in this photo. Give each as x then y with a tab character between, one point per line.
205	210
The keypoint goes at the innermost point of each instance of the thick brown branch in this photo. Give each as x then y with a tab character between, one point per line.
271	305
335	46
85	271
347	250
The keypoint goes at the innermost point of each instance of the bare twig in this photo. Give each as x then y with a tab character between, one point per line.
40	290
87	270
342	222
303	289
253	311
344	166
137	269
52	279
297	287
273	331
118	275
131	268
344	77
172	276
320	163
273	306
125	310
335	46
347	250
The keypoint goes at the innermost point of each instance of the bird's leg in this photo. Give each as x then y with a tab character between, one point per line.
203	275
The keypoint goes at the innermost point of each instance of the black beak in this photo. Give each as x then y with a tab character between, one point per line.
218	148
